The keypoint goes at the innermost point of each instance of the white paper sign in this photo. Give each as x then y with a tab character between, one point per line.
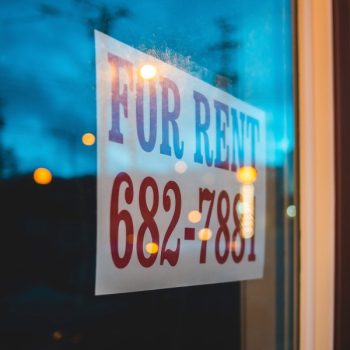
170	209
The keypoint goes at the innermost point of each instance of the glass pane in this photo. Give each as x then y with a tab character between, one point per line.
48	172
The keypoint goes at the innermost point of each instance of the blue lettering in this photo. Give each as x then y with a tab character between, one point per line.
169	117
201	129
147	146
119	99
221	135
237	140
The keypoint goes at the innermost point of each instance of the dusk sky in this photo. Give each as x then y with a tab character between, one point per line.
47	67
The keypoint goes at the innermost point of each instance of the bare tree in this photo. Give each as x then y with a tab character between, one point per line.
8	164
225	46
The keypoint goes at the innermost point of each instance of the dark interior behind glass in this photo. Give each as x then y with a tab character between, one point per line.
48	101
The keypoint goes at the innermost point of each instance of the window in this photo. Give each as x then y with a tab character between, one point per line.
48	169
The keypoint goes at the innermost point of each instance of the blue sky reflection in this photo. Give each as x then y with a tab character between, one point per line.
47	67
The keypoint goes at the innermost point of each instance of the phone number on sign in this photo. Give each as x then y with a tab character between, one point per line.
233	240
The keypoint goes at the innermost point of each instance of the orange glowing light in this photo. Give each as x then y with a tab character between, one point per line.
42	176
88	139
148	71
205	234
247	214
57	335
152	248
233	246
246	175
194	216
236	245
130	238
247	226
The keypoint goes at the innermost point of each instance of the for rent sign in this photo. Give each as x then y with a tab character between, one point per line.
181	177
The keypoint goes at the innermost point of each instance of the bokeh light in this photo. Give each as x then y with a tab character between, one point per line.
88	139
148	71
57	335
292	211
130	238
152	248
246	175
194	216
247	211
247	225
236	245
42	176
205	234
180	167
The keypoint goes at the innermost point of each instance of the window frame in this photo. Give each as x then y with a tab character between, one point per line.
316	174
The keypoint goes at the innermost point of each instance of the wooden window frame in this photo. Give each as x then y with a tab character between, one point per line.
341	31
316	173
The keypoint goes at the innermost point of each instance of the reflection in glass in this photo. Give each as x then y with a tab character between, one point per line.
130	238
151	248
48	100
42	176
194	216
180	166
57	335
291	211
88	139
246	175
205	234
148	71
247	217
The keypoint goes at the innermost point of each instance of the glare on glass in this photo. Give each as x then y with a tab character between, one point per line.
88	139
148	71
205	234
42	176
